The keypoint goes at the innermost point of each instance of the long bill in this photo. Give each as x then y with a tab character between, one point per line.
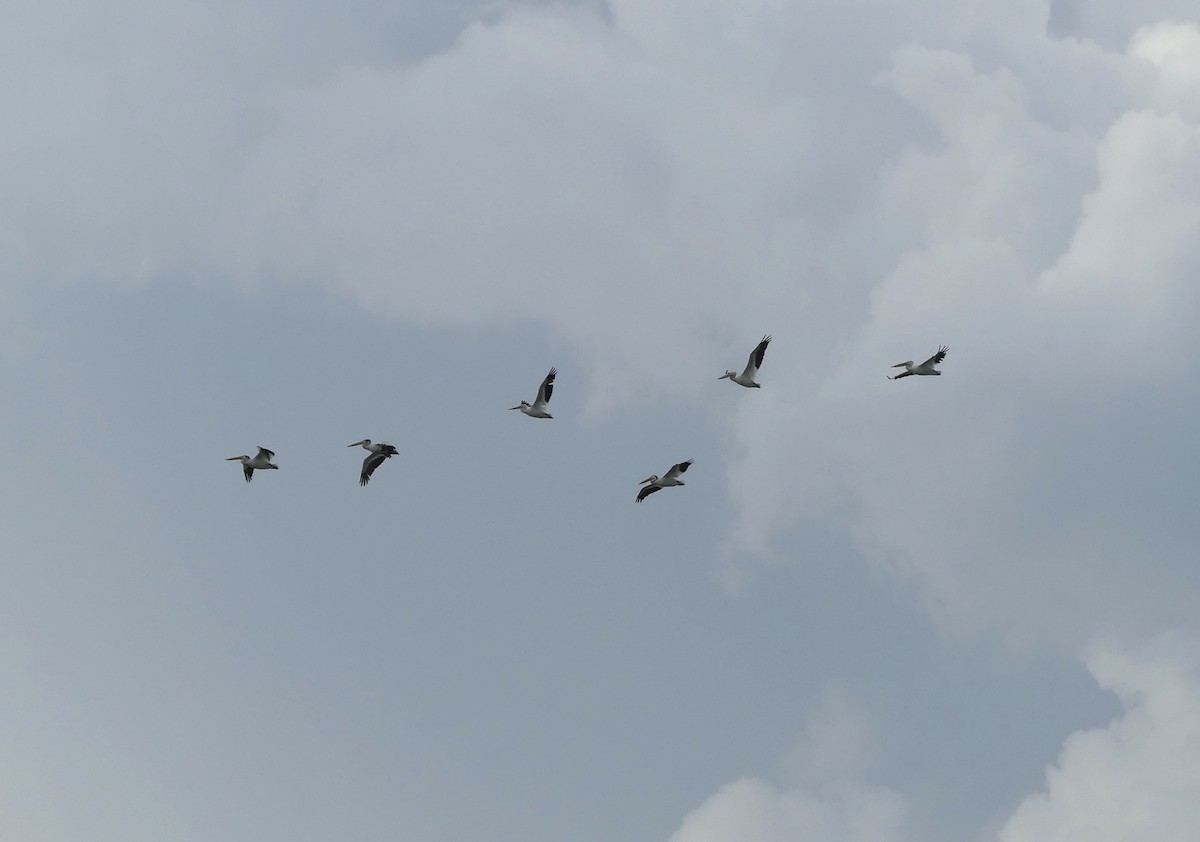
358	443
650	478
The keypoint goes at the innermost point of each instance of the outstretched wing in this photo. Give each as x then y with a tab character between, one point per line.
676	470
936	358
388	449
547	389
373	461
247	472
647	491
756	357
263	453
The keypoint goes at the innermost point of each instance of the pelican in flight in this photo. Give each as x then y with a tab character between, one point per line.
378	453
925	368
653	483
538	409
746	378
261	461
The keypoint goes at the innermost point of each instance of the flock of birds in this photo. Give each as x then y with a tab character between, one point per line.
379	452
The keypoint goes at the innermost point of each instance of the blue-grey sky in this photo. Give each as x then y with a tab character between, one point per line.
930	610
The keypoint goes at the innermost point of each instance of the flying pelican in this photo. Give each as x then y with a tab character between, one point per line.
925	368
671	478
538	409
379	452
261	460
746	378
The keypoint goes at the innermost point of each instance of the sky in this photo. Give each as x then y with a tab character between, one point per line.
931	610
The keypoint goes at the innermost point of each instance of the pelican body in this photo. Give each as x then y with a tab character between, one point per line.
655	483
261	462
924	369
377	453
746	378
538	408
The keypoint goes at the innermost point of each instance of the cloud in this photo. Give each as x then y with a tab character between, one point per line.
751	810
1131	780
661	185
828	801
1136	778
1034	486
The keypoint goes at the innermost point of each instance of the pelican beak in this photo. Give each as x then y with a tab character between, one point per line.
648	479
233	458
357	443
518	406
723	376
899	365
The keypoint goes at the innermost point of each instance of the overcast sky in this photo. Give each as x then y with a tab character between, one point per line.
932	610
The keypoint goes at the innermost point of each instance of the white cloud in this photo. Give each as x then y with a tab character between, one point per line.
1139	777
828	801
1136	778
751	810
1173	51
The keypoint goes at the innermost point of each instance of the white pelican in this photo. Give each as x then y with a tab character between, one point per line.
746	378
538	409
261	461
379	452
925	368
655	483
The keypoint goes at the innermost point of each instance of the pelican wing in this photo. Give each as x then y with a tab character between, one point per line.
936	358
676	470
373	461
387	449
756	357
263	453
247	472
647	491
546	389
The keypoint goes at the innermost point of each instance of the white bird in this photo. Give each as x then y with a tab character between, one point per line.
925	368
379	452
538	408
670	479
746	378
261	461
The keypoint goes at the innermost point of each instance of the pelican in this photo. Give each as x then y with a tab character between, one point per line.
538	409
655	483
746	378
378	453
261	461
925	368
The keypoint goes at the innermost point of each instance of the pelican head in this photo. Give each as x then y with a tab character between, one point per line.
729	374
521	405
362	443
651	478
